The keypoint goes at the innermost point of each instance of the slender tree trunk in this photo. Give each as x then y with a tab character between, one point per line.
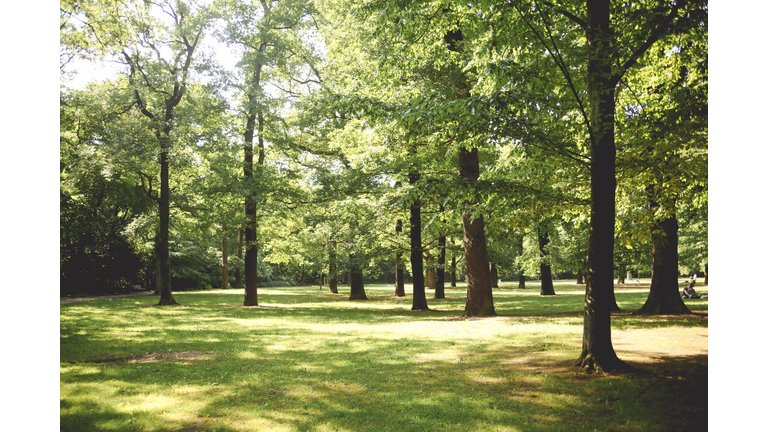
547	287
251	249
521	272
597	349
399	273
620	276
224	263
357	290
706	273
417	252
238	271
333	276
479	294
664	297
494	276
440	276
580	277
453	270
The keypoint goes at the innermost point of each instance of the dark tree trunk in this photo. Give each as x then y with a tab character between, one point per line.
547	287
453	270
479	294
521	280
333	276
494	276
417	252
251	249
399	273
357	290
597	349
521	275
620	277
440	282
224	263
580	278
166	298
706	273
664	297
158	270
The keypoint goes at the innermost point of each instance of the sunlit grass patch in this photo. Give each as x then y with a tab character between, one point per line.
316	361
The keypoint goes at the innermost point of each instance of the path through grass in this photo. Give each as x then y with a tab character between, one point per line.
306	360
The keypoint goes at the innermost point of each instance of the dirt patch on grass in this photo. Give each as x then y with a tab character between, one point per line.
155	357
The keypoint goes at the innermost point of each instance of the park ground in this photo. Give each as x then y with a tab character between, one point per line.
308	360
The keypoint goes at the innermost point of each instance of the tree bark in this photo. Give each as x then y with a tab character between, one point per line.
333	277
620	277
431	281
521	274
440	271
453	270
238	272
494	276
417	252
479	294
580	277
547	286
399	272
664	297
224	263
597	349
706	273
357	290
166	297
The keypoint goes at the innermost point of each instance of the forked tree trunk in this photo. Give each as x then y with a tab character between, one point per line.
417	252
357	290
547	286
479	294
399	272
664	297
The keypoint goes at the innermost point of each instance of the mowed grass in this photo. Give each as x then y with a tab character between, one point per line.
307	360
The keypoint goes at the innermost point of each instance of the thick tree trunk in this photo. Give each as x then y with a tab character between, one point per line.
224	263
597	349
521	280
158	270
479	294
333	276
494	276
251	247
399	273
664	297
357	290
547	287
417	252
166	298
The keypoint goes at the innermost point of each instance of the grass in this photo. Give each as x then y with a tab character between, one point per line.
306	360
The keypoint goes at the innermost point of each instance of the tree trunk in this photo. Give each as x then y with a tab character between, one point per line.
521	280
333	277
479	294
547	287
620	277
664	297
166	298
399	273
238	272
440	276
417	252
357	290
158	270
706	273
431	271
521	274
597	349
224	263
494	276
453	270
580	277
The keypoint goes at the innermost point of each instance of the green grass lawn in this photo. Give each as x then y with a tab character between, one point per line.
306	360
